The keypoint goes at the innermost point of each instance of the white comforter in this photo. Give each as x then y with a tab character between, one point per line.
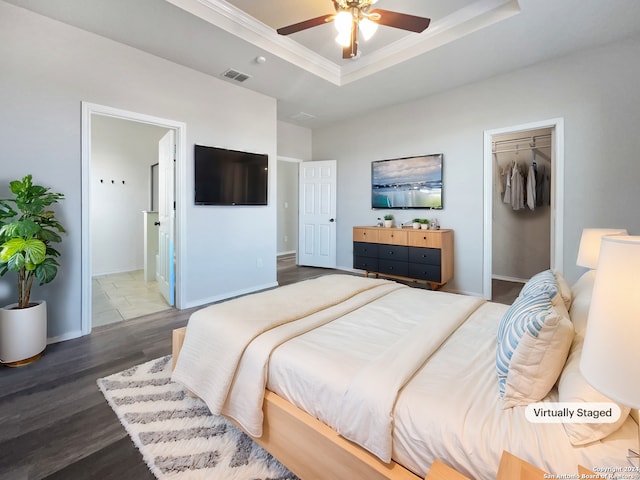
227	347
449	410
218	336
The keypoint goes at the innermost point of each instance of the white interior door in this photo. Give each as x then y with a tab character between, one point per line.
317	207
165	269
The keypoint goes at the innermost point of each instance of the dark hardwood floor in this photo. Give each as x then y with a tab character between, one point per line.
55	423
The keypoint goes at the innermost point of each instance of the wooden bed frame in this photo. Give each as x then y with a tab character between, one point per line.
309	448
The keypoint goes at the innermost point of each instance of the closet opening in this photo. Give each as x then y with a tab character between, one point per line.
523	224
521	210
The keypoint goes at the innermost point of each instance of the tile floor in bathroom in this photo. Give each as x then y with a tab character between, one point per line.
122	296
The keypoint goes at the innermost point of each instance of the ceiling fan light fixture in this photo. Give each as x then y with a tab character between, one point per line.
344	39
368	28
343	22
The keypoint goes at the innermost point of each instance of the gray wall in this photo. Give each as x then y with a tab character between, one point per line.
48	69
596	93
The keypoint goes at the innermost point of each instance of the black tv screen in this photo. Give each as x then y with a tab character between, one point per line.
230	177
411	182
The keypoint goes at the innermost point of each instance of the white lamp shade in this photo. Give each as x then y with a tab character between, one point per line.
368	28
590	244
611	353
343	21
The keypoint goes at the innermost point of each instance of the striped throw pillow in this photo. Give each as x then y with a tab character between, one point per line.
534	338
550	282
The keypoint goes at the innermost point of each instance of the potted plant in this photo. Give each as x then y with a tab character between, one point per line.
28	228
388	221
424	223
416	223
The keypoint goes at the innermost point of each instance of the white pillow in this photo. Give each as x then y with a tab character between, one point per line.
534	338
572	387
563	289
581	293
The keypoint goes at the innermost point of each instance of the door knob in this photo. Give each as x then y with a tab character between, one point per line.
156	224
332	220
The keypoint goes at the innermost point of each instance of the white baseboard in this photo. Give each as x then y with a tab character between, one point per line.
226	296
509	279
64	337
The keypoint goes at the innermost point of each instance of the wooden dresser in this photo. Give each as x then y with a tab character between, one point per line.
424	255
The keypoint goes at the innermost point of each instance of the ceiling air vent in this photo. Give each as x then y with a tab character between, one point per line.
302	117
235	75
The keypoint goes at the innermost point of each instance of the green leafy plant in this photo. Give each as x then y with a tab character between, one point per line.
388	217
28	227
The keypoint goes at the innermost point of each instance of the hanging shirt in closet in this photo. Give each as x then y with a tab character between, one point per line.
507	189
517	189
543	186
531	187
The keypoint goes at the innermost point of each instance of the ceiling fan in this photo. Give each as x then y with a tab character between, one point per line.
353	16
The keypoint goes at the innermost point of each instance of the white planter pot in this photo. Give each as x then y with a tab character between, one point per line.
23	333
424	226
388	223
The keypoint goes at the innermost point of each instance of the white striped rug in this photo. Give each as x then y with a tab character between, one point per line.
177	435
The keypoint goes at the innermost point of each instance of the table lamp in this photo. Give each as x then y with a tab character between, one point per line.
590	245
611	353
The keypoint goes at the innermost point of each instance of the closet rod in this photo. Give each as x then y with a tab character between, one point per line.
522	139
521	149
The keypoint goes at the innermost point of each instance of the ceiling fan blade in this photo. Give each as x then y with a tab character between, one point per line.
313	22
402	20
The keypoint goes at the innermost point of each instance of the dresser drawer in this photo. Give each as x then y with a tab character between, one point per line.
430	256
431	273
393	236
365	249
393	252
393	267
363	234
365	263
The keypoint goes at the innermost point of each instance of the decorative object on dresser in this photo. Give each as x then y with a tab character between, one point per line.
28	228
388	221
424	255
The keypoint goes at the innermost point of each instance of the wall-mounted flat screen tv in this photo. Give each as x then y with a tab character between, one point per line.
230	177
411	182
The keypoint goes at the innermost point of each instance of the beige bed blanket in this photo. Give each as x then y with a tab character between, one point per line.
217	336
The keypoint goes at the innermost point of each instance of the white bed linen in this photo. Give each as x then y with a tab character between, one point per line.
218	335
370	354
450	410
246	396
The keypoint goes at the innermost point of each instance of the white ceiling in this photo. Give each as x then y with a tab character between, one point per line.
467	41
